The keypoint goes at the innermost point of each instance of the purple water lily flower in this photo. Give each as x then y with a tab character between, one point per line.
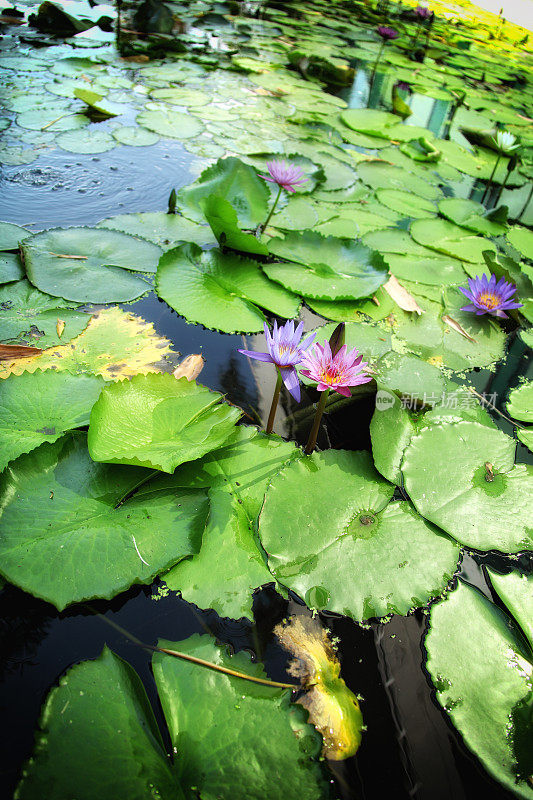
489	296
387	33
339	371
287	176
285	350
422	12
403	85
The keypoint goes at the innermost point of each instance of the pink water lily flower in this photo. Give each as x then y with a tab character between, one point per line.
287	176
338	372
285	350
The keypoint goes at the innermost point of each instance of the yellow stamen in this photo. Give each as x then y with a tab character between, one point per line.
489	300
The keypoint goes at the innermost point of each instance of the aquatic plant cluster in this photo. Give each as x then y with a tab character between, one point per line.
331	217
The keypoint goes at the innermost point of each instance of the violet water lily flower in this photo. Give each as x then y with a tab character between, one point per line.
287	176
387	33
285	350
422	12
489	296
338	372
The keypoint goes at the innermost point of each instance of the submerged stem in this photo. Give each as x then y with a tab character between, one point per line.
492	174
273	208
311	442
194	660
273	407
376	63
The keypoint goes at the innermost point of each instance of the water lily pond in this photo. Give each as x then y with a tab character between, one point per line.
266	401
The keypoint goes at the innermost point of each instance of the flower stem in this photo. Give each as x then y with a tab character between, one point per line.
492	174
376	63
273	208
311	442
273	407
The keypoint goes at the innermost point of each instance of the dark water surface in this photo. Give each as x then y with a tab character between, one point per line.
410	749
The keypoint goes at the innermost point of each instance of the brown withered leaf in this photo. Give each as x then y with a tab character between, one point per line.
190	367
401	296
457	327
333	708
60	327
8	352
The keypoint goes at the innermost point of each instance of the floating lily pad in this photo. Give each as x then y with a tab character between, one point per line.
370	558
171	124
158	421
328	268
222	219
219	290
42	407
516	591
479	511
165	230
11	235
89	265
28	315
380	175
521	239
10	268
114	344
236	182
181	96
86	141
55	120
108	713
255	735
445	237
474	216
230	564
135	136
406	203
483	681
13	156
67	540
520	405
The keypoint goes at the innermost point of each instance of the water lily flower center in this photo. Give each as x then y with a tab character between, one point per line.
489	300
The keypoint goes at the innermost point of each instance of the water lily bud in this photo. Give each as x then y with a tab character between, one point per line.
172	202
337	338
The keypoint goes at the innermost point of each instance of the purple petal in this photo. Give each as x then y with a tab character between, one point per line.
290	379
258	356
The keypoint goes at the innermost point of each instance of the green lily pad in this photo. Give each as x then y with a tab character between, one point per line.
516	591
445	237
11	235
256	735
88	141
520	405
94	100
380	175
358	556
55	120
97	269
230	564
109	718
369	120
353	310
297	215
462	501
31	316
135	136
13	156
236	182
164	230
181	96
42	407
521	239
222	219
483	681
171	124
67	536
474	216
391	430
406	203
159	422
328	268
220	290
10	268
